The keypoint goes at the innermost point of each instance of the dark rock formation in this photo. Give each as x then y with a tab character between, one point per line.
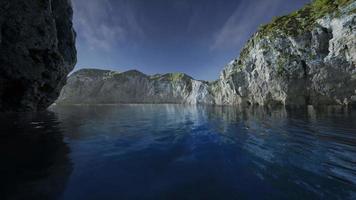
37	51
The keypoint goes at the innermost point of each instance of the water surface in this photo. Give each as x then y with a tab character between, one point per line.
178	152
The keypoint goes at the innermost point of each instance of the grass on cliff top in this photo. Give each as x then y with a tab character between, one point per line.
298	22
173	77
303	20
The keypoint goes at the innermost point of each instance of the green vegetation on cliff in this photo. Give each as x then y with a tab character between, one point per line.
172	77
294	24
304	19
176	78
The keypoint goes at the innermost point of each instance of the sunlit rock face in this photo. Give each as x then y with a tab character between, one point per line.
37	51
307	57
93	86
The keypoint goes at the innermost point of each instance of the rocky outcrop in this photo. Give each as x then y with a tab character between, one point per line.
305	58
37	51
94	86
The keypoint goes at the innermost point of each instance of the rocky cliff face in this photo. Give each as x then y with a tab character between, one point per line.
305	58
37	51
93	86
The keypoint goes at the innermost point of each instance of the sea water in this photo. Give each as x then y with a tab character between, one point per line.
178	152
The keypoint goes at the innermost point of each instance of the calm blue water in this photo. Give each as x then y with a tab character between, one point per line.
178	152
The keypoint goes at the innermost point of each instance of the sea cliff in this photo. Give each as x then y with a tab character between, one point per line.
37	51
305	58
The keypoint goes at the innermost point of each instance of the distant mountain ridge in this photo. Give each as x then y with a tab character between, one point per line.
95	86
305	58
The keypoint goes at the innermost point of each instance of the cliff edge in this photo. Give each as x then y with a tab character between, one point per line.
305	58
37	51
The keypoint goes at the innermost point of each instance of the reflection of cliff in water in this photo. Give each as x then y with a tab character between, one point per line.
34	162
262	144
85	121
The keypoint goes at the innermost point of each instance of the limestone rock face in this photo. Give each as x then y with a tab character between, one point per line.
93	86
280	65
37	51
305	58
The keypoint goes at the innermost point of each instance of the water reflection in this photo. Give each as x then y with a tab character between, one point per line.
185	152
34	162
314	149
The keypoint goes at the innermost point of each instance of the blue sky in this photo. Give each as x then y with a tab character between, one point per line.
197	37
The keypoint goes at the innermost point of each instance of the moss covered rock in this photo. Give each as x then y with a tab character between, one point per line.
307	57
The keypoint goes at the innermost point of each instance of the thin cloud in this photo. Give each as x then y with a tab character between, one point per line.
243	22
100	27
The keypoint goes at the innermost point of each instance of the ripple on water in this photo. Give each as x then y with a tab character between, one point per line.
179	152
